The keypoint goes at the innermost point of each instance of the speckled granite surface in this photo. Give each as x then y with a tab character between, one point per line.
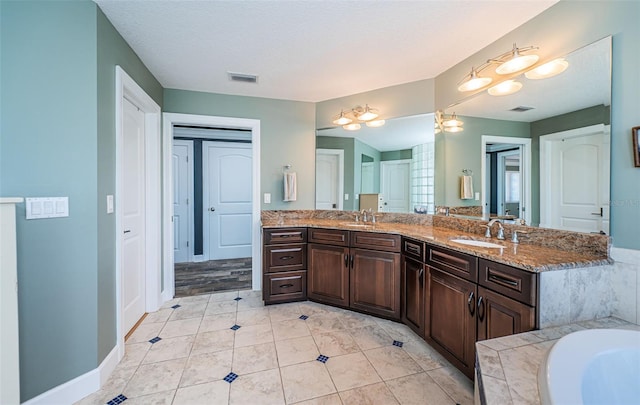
507	367
574	250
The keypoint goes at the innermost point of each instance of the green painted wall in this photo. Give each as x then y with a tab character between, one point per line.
287	137
564	27
112	50
49	148
58	139
396	155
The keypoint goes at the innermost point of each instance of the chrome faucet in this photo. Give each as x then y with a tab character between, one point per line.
500	234
364	215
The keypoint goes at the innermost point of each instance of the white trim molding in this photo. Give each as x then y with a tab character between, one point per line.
169	121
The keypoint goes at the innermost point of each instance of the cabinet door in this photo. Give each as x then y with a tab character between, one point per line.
413	281
328	274
375	282
501	316
450	318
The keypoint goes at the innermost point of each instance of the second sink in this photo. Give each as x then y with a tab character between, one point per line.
478	243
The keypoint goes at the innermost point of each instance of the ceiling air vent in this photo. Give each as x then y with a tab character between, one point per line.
241	77
521	108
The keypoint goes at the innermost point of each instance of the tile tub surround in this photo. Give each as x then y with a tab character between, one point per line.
507	367
277	356
570	249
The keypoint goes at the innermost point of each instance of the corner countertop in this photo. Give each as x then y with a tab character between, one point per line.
507	367
532	258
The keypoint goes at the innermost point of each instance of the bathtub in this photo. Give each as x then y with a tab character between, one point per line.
597	366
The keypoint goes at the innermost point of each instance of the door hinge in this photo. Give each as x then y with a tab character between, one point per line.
187	243
187	201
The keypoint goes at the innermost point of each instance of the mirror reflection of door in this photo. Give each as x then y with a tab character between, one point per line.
504	179
367	180
575	179
394	185
329	175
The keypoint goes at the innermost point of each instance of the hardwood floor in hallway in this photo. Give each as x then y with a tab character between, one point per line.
212	276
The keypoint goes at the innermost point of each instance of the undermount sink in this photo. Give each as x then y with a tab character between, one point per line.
356	224
478	243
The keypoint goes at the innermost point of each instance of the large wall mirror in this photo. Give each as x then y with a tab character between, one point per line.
385	169
541	154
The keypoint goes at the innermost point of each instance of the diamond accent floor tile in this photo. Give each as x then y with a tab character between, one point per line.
304	317
398	343
235	327
231	377
117	400
176	306
155	339
322	358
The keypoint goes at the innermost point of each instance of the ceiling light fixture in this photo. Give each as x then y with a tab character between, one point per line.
505	88
549	69
447	123
351	120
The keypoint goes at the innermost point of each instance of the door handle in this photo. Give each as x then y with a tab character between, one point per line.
471	304
212	209
286	285
351	261
286	257
127	231
480	307
598	213
421	276
346	260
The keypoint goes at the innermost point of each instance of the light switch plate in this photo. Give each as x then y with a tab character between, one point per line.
477	196
47	207
346	197
267	198
110	204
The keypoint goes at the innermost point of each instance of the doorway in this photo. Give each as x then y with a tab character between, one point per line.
212	192
235	144
519	181
329	179
394	185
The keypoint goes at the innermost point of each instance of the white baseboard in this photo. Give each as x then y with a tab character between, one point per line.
81	386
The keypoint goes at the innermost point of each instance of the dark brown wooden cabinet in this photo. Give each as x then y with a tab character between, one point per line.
501	316
451	318
345	270
329	274
284	265
413	283
375	282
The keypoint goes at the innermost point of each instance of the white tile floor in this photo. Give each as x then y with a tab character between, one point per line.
274	355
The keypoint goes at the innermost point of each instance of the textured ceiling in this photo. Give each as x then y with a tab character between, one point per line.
309	50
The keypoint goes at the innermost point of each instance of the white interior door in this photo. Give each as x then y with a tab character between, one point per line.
366	183
227	193
329	175
133	215
182	166
579	183
395	185
509	179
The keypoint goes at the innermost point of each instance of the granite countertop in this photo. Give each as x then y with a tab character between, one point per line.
507	367
532	258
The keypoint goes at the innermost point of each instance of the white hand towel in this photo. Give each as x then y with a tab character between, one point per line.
290	187
466	188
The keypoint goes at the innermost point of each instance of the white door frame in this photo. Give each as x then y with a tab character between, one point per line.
546	209
190	217
525	168
169	121
340	154
127	88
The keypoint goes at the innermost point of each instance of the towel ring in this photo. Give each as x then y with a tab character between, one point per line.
467	172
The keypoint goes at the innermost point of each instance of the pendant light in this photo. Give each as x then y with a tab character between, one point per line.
352	127
473	82
516	62
549	69
505	88
368	114
342	119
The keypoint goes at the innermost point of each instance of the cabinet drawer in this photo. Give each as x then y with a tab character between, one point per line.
460	264
376	241
514	283
334	237
285	235
287	286
413	248
285	258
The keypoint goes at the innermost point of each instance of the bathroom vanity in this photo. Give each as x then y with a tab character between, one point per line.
452	294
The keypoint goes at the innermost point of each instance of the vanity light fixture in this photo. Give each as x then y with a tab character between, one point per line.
513	61
473	82
351	120
549	69
447	123
505	88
